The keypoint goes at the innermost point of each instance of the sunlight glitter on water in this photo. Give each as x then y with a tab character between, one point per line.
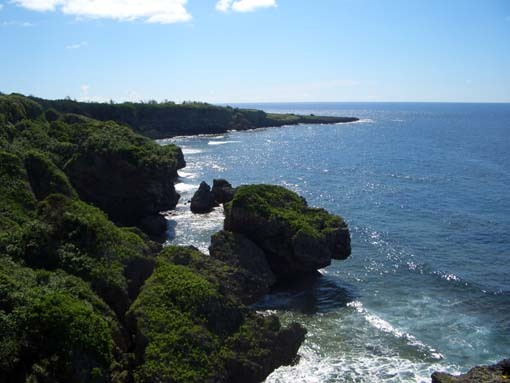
428	274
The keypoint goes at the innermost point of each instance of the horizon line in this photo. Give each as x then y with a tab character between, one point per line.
221	103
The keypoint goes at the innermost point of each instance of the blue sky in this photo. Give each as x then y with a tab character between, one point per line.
257	50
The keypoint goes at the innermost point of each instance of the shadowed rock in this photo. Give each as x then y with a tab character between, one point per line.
254	274
155	226
188	315
203	200
126	175
296	239
223	191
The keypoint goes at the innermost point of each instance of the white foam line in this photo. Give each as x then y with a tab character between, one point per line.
183	187
222	142
386	327
360	121
184	174
191	151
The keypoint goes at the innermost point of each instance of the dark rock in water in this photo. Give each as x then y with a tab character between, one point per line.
223	191
254	274
203	200
497	373
154	225
296	239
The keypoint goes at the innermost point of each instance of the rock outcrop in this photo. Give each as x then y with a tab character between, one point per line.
155	226
190	326
84	300
252	270
222	190
203	200
497	373
295	238
206	199
169	119
126	175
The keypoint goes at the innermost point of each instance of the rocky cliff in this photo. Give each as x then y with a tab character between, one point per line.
163	120
87	297
296	238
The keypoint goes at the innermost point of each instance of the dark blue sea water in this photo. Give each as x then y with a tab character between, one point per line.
425	190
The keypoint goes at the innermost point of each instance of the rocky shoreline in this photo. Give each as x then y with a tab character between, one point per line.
165	120
86	295
497	373
87	292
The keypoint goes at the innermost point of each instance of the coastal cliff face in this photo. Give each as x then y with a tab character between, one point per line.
191	326
83	299
163	120
126	175
296	238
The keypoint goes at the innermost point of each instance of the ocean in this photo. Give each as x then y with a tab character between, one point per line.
424	188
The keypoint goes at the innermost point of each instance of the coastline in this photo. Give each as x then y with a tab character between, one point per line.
42	169
72	222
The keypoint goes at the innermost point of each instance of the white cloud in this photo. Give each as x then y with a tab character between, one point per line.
152	11
38	5
77	45
223	5
244	5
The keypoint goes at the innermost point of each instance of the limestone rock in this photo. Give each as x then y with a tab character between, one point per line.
223	191
254	274
203	200
497	373
296	239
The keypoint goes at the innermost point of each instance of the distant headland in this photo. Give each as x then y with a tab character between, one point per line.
168	119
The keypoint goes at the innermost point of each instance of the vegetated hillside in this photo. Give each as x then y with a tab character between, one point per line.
84	299
163	120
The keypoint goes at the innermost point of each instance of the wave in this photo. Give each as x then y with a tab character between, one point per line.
222	142
384	326
362	367
183	174
360	121
182	187
191	151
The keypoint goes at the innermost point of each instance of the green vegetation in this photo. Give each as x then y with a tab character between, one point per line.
167	119
67	273
191	332
18	202
278	119
45	177
53	328
83	300
279	205
111	138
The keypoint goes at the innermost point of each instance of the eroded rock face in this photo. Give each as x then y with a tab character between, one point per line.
189	325
251	367
222	190
254	274
296	239
127	191
155	226
203	200
497	373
